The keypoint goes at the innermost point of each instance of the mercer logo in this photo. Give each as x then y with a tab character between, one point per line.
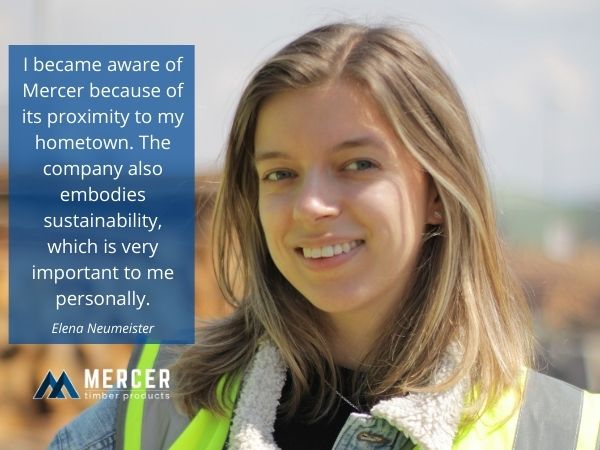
56	386
127	379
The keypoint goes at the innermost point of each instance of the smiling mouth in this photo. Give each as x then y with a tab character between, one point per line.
329	251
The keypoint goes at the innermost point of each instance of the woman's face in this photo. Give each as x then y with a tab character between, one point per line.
342	203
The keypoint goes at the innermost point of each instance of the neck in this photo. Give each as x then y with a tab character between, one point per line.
350	339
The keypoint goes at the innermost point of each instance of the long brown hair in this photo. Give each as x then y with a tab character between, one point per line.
462	296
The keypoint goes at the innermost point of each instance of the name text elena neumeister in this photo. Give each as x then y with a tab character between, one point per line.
98	328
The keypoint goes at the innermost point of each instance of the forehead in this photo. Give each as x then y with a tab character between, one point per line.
329	113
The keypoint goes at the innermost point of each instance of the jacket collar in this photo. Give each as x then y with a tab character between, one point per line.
429	419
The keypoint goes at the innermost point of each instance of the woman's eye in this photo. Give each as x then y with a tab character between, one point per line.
361	164
278	175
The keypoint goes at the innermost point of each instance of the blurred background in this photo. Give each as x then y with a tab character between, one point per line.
527	69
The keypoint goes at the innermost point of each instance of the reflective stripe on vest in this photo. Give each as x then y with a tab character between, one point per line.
133	426
550	415
553	416
155	424
135	410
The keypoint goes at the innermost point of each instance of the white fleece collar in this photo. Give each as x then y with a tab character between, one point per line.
254	416
429	419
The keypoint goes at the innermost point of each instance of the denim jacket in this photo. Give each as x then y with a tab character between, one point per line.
94	429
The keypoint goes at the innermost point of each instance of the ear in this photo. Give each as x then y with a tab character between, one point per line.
435	208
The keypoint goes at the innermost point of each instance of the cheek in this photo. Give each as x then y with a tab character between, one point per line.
397	212
272	218
268	214
385	201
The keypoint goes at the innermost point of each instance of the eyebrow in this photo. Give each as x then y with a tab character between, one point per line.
270	155
361	141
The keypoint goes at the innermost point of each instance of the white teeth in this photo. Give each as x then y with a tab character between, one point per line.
329	250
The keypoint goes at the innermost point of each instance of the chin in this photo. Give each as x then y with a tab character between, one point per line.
343	305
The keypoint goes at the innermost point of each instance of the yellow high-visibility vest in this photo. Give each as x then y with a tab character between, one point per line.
552	416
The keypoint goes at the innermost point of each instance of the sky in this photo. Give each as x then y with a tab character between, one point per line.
527	69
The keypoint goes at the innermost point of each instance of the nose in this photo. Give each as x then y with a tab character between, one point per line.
316	199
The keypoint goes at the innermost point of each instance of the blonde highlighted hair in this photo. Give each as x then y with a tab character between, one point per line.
462	294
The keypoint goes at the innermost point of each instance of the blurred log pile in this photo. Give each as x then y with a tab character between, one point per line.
565	299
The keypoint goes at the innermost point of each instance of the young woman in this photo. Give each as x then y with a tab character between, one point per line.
355	233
